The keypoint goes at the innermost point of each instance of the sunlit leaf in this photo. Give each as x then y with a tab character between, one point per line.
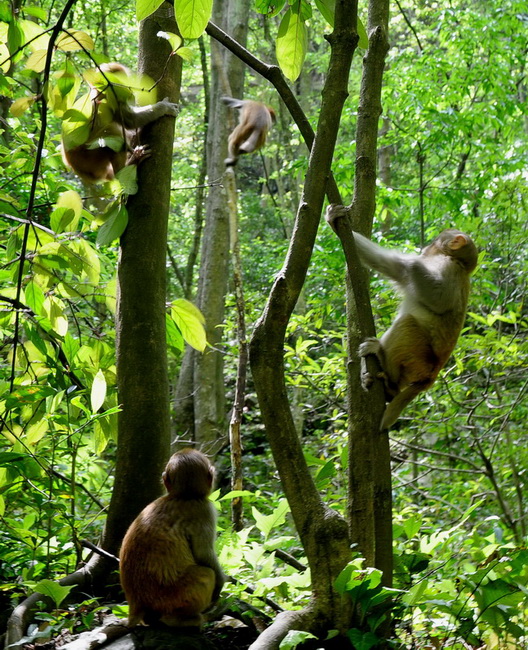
73	40
185	53
174	40
128	179
98	392
34	297
292	43
53	589
36	432
192	16
20	106
37	60
114	226
72	200
190	322
53	309
146	7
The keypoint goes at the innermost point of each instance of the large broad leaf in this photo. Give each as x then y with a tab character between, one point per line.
146	7
114	226
190	322
192	16
292	43
53	589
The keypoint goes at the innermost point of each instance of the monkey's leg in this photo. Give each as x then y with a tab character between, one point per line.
372	345
193	594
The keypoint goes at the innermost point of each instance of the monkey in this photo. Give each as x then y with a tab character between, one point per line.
435	287
169	569
112	141
255	121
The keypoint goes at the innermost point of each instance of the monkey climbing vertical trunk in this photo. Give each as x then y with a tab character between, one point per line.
142	377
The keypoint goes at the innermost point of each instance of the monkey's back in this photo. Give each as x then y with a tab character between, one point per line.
157	565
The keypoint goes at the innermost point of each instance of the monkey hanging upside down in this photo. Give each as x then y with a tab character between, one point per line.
255	120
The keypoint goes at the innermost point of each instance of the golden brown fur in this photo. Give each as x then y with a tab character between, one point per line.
95	162
169	569
435	287
252	129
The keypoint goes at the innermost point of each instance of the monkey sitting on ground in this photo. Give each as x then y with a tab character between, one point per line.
435	287
255	121
112	138
169	569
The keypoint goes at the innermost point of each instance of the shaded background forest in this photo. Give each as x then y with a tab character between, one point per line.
452	151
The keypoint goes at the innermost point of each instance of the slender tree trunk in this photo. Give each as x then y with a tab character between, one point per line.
208	380
324	534
143	387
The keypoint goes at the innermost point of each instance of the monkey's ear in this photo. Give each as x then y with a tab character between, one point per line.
458	242
166	481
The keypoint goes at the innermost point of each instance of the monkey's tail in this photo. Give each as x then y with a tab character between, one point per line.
230	162
394	408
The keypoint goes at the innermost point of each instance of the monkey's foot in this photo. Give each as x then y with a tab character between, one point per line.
139	154
333	213
371	345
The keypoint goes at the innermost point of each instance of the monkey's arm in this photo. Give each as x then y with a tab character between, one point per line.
233	102
202	544
393	264
138	116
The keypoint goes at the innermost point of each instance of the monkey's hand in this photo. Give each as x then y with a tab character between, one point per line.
170	107
371	345
139	154
335	212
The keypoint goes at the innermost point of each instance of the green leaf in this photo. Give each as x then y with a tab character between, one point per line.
54	590
61	218
363	36
292	43
185	53
412	525
174	336
114	226
53	309
192	16
128	179
34	297
98	393
71	200
327	9
146	7
266	523
295	638
190	322
174	40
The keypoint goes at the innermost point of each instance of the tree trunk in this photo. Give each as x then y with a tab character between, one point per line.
208	389
143	387
323	532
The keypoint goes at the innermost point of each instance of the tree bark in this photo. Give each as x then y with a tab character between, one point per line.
323	532
208	389
370	504
143	387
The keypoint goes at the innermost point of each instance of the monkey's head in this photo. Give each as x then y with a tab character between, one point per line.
457	245
188	475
